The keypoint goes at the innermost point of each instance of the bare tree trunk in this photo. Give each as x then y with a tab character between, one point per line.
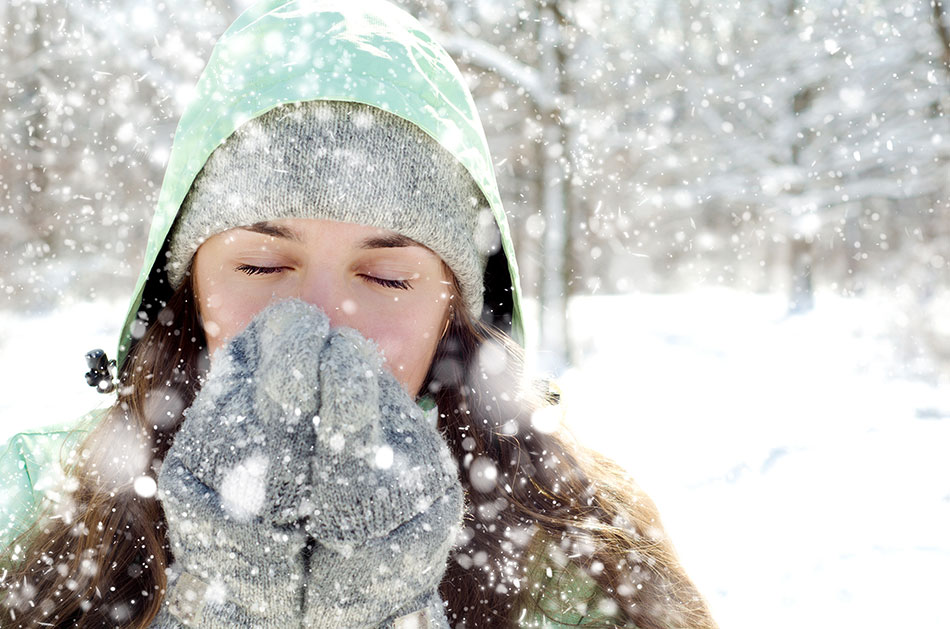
801	297
940	18
553	302
30	178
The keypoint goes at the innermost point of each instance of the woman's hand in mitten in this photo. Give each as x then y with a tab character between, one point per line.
386	496
235	484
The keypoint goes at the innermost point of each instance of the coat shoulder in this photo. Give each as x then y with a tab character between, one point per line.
558	592
32	465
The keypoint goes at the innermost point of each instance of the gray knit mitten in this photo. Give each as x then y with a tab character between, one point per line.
387	499
305	488
235	484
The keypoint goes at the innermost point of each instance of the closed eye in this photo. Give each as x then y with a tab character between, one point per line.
400	284
250	269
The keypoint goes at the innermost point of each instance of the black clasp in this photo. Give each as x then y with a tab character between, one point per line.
101	371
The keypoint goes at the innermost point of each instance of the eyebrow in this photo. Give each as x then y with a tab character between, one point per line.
389	241
274	231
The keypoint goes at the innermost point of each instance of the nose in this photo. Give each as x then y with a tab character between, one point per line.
326	290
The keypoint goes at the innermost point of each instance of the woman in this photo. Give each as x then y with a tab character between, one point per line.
319	420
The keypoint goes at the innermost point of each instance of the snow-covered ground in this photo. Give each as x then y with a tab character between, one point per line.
803	480
42	362
803	477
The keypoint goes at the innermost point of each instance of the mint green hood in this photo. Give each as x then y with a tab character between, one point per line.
285	51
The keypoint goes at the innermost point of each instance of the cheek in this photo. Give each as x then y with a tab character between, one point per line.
408	346
225	313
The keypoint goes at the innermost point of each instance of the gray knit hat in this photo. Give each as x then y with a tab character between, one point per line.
345	162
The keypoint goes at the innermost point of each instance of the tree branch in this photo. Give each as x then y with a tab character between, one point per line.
486	56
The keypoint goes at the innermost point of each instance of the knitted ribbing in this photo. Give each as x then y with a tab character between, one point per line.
344	162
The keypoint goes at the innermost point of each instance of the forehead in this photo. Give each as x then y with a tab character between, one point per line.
366	236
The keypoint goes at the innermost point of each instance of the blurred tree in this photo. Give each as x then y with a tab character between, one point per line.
941	23
91	97
771	144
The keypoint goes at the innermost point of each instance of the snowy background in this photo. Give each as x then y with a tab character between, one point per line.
734	216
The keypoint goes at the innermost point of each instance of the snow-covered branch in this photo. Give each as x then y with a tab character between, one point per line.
484	55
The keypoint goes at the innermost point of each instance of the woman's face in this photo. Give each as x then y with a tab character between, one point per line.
390	288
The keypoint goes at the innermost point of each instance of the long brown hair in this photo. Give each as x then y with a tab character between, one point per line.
546	495
98	557
536	500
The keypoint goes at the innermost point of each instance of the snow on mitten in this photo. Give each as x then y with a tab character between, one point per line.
386	496
235	484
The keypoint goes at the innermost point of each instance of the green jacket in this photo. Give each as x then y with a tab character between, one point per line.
279	52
